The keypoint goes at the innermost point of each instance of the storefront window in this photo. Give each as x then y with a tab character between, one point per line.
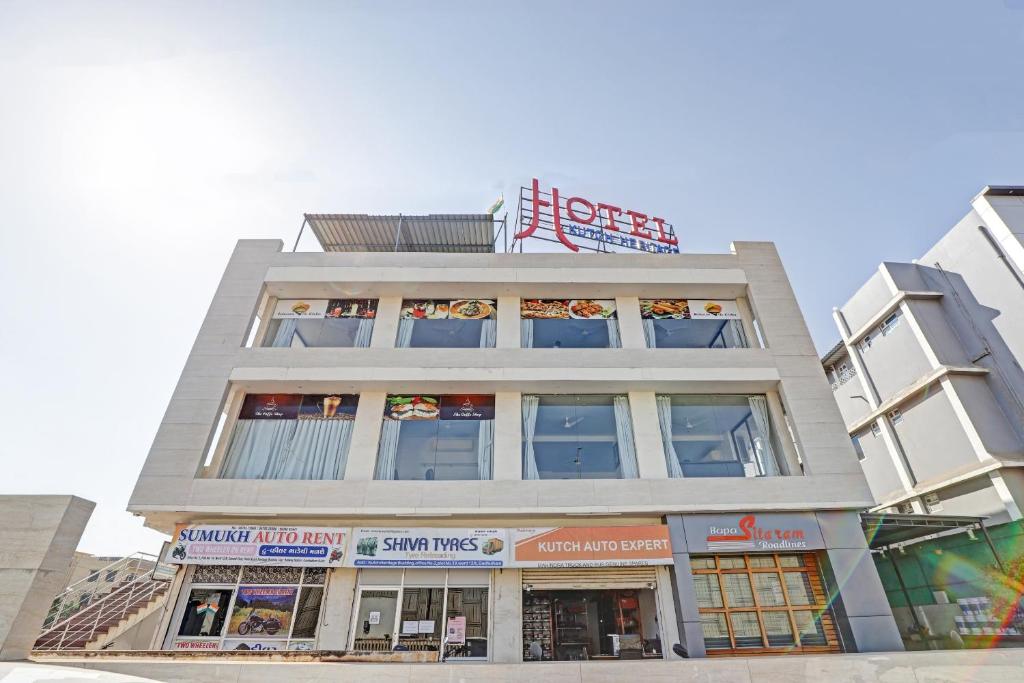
717	436
569	324
435	438
291	436
462	323
571	625
251	608
746	603
578	437
299	323
692	324
419	610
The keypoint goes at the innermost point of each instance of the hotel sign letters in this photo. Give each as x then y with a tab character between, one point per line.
595	224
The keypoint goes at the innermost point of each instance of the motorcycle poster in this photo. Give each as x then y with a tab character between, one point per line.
263	611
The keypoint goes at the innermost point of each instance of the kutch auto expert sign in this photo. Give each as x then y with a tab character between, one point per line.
423	547
613	546
296	546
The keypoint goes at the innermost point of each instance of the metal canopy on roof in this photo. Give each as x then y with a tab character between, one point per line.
885	530
447	233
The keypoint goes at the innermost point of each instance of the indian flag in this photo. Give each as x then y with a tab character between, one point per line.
496	206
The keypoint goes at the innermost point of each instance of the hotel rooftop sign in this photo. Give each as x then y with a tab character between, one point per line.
578	223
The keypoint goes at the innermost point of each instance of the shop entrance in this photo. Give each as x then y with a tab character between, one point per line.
574	625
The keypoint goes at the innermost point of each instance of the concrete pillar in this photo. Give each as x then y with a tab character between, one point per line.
691	633
385	325
337	612
631	330
508	323
862	603
650	451
362	453
506	640
508	436
37	544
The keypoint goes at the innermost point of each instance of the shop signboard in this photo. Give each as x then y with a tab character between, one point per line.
424	547
687	309
768	532
613	546
577	222
197	644
298	406
296	546
325	308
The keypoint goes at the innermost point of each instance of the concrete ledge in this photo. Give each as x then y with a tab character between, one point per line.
910	667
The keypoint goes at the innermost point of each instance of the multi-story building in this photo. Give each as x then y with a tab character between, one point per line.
409	444
928	376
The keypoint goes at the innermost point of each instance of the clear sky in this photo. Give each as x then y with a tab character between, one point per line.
138	141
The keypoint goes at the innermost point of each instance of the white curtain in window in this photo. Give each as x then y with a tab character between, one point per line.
649	335
364	332
624	432
526	333
488	333
404	333
763	442
530	406
733	335
665	420
258	447
319	450
613	334
285	332
485	450
387	454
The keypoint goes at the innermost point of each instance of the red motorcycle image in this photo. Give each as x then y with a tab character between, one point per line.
257	624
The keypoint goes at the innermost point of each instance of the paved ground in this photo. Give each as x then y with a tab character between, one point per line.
995	666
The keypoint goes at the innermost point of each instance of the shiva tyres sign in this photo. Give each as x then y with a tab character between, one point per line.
427	547
293	546
745	532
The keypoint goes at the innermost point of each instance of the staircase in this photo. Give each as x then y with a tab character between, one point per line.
89	613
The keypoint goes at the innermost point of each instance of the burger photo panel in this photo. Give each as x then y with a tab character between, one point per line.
440	407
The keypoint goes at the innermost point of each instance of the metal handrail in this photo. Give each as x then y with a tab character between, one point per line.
83	593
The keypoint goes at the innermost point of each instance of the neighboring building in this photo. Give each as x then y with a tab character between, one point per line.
928	374
527	456
929	381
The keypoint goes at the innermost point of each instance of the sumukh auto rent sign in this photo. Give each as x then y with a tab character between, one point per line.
293	546
577	222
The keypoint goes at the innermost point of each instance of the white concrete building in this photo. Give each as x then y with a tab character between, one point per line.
508	456
928	372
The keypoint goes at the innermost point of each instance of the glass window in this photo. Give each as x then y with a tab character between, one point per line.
575	437
569	324
737	590
375	621
778	628
205	612
716	632
808	624
462	323
709	594
760	598
798	585
472	604
702	562
718	436
769	590
437	438
691	324
745	629
291	436
321	323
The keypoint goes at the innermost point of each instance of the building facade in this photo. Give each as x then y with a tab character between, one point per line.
508	457
928	375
